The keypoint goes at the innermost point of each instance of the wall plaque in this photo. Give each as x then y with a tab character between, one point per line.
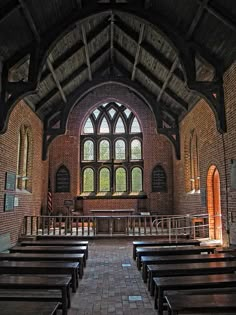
9	202
10	181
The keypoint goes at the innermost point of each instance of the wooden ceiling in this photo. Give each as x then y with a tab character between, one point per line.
169	52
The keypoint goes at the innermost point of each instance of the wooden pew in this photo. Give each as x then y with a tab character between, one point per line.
50	249
162	243
210	303
39	267
163	284
46	257
154	251
188	269
160	260
28	308
41	282
48	242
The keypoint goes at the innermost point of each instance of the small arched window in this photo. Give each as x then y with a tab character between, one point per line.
120	179
136	151
88	150
104	180
88	180
63	179
104	128
119	128
104	150
136	183
120	151
159	182
88	127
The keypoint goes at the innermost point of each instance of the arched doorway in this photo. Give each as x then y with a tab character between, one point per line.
214	203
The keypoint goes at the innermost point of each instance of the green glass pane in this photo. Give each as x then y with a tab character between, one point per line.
137	180
120	150
88	150
104	180
136	152
120	180
104	150
88	180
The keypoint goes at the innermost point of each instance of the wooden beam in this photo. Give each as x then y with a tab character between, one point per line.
153	78
86	52
1	81
58	84
141	32
153	51
29	20
8	9
112	38
217	14
79	3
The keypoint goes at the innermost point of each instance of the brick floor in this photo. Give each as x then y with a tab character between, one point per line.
108	287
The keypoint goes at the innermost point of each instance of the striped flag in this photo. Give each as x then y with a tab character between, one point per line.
49	198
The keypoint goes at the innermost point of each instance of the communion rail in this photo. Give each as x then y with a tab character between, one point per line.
171	226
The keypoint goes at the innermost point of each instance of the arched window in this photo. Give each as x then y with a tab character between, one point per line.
24	159
104	180
111	158
192	172
63	179
159	183
88	180
120	150
88	150
104	150
136	151
136	183
121	180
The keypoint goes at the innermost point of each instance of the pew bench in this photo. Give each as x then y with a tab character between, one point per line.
162	243
191	304
164	284
28	308
154	251
37	283
161	260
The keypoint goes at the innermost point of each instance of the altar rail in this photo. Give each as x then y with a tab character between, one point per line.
170	226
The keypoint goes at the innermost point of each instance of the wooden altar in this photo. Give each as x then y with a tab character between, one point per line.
112	221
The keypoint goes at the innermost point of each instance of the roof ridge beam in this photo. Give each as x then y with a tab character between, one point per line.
84	37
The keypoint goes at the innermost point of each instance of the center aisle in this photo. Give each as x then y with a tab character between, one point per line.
111	283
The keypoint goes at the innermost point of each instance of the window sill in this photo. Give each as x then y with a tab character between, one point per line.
194	192
23	191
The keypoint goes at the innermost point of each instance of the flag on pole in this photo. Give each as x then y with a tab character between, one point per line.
49	198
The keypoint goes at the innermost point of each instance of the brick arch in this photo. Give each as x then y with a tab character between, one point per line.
214	203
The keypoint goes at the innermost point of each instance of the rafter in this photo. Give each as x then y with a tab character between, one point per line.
29	20
153	78
154	52
72	76
58	84
112	19
137	51
86	52
8	9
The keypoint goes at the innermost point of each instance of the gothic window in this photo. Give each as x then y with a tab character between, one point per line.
111	158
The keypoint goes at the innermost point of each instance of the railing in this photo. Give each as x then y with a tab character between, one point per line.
171	226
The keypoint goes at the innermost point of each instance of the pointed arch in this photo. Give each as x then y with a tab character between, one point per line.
119	126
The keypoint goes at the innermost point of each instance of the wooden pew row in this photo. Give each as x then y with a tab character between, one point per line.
28	308
162	243
164	284
51	249
37	283
44	268
46	257
188	269
59	242
160	260
155	251
192	304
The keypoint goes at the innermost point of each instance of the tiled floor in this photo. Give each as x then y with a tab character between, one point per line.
111	283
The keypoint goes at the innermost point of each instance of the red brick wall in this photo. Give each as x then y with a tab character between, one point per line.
156	148
29	203
211	152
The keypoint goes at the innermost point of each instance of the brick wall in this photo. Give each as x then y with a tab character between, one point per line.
156	148
211	147
29	202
